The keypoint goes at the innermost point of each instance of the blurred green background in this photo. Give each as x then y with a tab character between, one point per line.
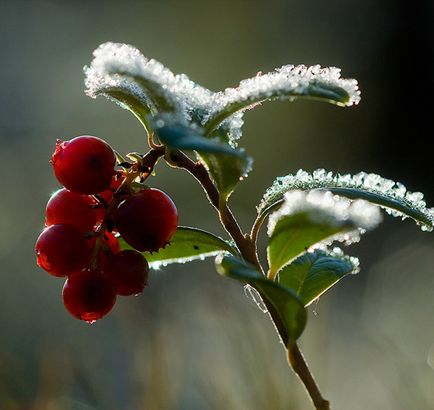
193	340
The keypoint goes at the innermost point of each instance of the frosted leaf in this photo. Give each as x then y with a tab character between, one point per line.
316	271
120	65
388	194
158	264
117	65
284	83
324	208
337	252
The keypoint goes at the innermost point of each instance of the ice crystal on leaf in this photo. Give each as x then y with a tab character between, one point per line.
324	208
118	66
285	83
124	66
388	194
338	253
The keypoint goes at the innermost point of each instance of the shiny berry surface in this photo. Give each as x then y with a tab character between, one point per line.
66	207
61	250
147	220
84	164
88	295
128	270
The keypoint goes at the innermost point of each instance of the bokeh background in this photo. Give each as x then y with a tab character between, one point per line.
193	340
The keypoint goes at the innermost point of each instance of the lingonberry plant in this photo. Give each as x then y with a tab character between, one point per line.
106	225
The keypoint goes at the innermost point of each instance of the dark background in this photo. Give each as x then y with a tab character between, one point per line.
192	340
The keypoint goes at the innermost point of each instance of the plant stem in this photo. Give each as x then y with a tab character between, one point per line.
198	171
247	247
300	367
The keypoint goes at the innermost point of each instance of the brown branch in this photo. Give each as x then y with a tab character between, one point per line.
300	367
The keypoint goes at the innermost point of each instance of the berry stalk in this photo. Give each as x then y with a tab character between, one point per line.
248	249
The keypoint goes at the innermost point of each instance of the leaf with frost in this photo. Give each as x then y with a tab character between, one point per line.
123	70
286	83
184	136
187	244
286	303
389	195
307	219
226	172
313	273
123	74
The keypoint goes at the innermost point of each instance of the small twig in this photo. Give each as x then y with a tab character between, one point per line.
150	159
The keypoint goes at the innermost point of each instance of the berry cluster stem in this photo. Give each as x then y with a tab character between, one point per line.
145	168
247	247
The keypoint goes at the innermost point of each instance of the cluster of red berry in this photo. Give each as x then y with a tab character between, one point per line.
79	241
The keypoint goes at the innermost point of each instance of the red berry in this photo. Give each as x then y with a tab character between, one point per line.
84	164
66	207
88	295
61	250
128	270
147	220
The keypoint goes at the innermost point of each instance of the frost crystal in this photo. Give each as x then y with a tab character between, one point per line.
158	264
323	207
117	65
285	83
121	67
338	253
388	194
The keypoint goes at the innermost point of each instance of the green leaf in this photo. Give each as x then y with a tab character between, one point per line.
295	234
310	275
286	83
309	218
225	164
187	244
227	171
161	98
389	195
184	137
286	303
